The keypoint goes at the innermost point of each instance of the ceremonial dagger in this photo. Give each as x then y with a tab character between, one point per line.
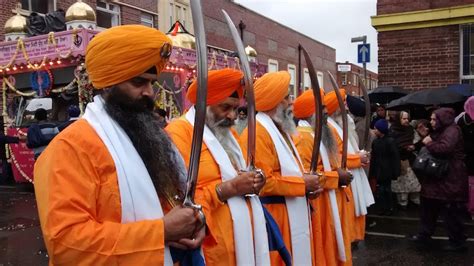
367	112
318	112
200	106
342	107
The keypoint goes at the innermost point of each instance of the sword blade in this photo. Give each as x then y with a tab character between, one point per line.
318	111
200	106
367	112
249	93
342	107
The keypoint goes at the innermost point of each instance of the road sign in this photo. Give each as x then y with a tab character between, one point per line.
363	53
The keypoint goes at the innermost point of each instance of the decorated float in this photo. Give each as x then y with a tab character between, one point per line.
47	71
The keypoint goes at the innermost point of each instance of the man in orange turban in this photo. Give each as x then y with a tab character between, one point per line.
235	222
331	248
356	159
103	184
284	194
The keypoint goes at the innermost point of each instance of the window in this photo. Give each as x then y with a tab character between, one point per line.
321	79
39	6
147	20
355	79
467	54
178	11
306	79
272	65
108	15
292	88
344	79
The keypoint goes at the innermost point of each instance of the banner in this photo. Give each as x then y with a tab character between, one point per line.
21	158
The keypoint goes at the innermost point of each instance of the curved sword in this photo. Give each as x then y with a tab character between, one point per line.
367	112
342	107
318	112
249	93
200	106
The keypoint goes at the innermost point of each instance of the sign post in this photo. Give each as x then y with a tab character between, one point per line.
363	54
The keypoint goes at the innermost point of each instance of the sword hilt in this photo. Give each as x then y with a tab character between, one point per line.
188	203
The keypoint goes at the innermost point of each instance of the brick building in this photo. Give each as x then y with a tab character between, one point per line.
425	43
347	77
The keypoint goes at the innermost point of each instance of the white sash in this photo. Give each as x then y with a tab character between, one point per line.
138	196
297	207
361	191
332	198
247	252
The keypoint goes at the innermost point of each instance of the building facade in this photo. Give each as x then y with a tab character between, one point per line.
425	44
349	76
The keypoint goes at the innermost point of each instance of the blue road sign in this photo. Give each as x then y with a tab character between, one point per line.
363	53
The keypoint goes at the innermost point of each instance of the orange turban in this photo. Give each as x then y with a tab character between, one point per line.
331	102
303	106
123	52
271	89
220	85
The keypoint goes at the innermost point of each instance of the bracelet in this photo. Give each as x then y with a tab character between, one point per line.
219	192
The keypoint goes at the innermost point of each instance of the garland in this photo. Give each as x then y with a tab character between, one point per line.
20	46
17	165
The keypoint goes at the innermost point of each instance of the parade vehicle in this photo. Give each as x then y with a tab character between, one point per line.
47	70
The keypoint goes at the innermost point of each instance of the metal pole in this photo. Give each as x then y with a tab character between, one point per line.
300	87
365	68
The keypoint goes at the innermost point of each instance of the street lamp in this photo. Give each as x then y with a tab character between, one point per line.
362	39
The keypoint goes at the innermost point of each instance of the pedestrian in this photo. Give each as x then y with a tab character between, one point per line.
73	113
284	194
40	133
241	122
106	186
329	244
384	165
380	113
448	194
407	187
238	229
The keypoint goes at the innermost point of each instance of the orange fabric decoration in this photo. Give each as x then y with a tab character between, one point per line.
331	102
221	84
123	52
303	106
271	89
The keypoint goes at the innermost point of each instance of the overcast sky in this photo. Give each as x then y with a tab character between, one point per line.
332	22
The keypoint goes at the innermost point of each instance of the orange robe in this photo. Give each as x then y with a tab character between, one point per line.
79	207
358	227
266	158
218	216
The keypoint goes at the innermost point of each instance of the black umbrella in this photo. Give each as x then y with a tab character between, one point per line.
426	98
386	94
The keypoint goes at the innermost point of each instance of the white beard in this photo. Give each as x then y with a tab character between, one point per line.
284	118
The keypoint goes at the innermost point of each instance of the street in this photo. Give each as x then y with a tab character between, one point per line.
21	242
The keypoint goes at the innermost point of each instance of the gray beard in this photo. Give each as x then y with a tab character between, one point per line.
284	118
240	125
223	135
329	142
161	159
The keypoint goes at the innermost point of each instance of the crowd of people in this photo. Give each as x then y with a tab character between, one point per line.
110	185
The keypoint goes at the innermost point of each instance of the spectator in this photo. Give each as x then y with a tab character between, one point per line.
422	129
407	186
379	114
384	165
73	112
161	115
466	123
40	133
446	195
241	121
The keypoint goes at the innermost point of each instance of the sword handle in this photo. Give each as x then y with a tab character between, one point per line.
198	213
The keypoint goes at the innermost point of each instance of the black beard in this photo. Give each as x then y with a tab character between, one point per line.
150	141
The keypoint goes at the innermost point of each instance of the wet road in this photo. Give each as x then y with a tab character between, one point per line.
21	242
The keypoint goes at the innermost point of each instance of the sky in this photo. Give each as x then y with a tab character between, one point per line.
332	22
